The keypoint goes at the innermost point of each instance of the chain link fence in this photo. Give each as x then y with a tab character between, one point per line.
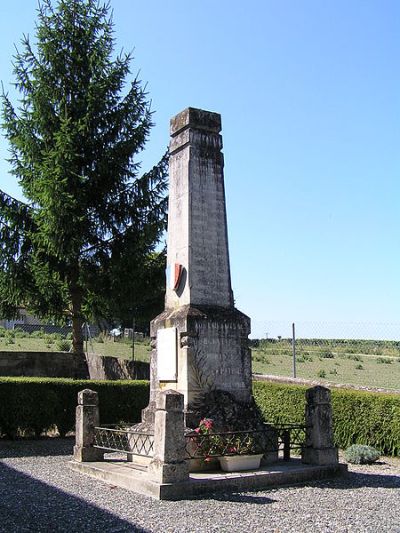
366	354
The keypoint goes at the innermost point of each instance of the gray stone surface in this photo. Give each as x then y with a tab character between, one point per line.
86	419
125	476
212	348
101	367
168	464
319	448
213	353
42	364
197	231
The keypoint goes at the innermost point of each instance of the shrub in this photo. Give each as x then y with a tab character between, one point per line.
2	331
38	334
327	354
384	360
35	405
354	358
63	345
10	340
359	367
322	374
49	339
359	454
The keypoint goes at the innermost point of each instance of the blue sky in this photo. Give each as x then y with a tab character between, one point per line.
309	94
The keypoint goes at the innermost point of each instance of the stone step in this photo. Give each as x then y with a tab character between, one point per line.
138	462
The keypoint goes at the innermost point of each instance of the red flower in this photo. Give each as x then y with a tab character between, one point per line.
207	423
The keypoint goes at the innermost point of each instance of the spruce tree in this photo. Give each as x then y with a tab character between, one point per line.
85	240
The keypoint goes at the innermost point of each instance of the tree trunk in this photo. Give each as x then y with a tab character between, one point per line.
77	320
81	370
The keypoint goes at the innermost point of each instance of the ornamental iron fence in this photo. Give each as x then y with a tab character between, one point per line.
124	440
273	438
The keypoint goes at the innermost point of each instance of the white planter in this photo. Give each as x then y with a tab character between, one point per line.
236	463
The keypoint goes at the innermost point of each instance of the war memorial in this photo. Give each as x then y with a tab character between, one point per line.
202	431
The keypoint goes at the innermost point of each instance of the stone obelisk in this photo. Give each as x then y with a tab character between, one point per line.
200	341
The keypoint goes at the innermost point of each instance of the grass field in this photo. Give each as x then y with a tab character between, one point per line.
53	343
365	363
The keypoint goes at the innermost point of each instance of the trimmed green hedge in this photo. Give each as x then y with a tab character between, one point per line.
34	405
359	417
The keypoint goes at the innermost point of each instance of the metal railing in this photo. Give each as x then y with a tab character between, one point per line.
273	438
124	440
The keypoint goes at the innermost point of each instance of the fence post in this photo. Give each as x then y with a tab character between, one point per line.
294	348
286	445
319	448
87	418
169	464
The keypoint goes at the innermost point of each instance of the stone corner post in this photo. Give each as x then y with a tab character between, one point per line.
319	448
169	464
87	418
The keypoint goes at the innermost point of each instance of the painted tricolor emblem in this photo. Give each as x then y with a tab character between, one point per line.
174	275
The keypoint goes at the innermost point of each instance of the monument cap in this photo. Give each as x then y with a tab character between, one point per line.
197	119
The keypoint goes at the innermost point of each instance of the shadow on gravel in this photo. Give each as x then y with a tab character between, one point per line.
40	448
27	504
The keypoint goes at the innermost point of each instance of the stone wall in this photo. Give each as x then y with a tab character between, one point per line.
101	367
37	364
63	365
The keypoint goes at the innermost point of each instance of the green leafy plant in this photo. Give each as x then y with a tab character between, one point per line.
209	444
360	454
206	444
10	336
384	360
64	345
49	339
354	357
327	354
38	334
322	374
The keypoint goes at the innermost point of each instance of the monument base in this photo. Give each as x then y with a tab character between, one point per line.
320	456
124	475
212	353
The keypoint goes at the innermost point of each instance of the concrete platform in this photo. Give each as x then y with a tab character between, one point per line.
125	475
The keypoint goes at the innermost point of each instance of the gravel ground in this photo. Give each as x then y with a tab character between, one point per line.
38	492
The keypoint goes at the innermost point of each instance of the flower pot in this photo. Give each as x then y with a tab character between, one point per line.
236	463
199	465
